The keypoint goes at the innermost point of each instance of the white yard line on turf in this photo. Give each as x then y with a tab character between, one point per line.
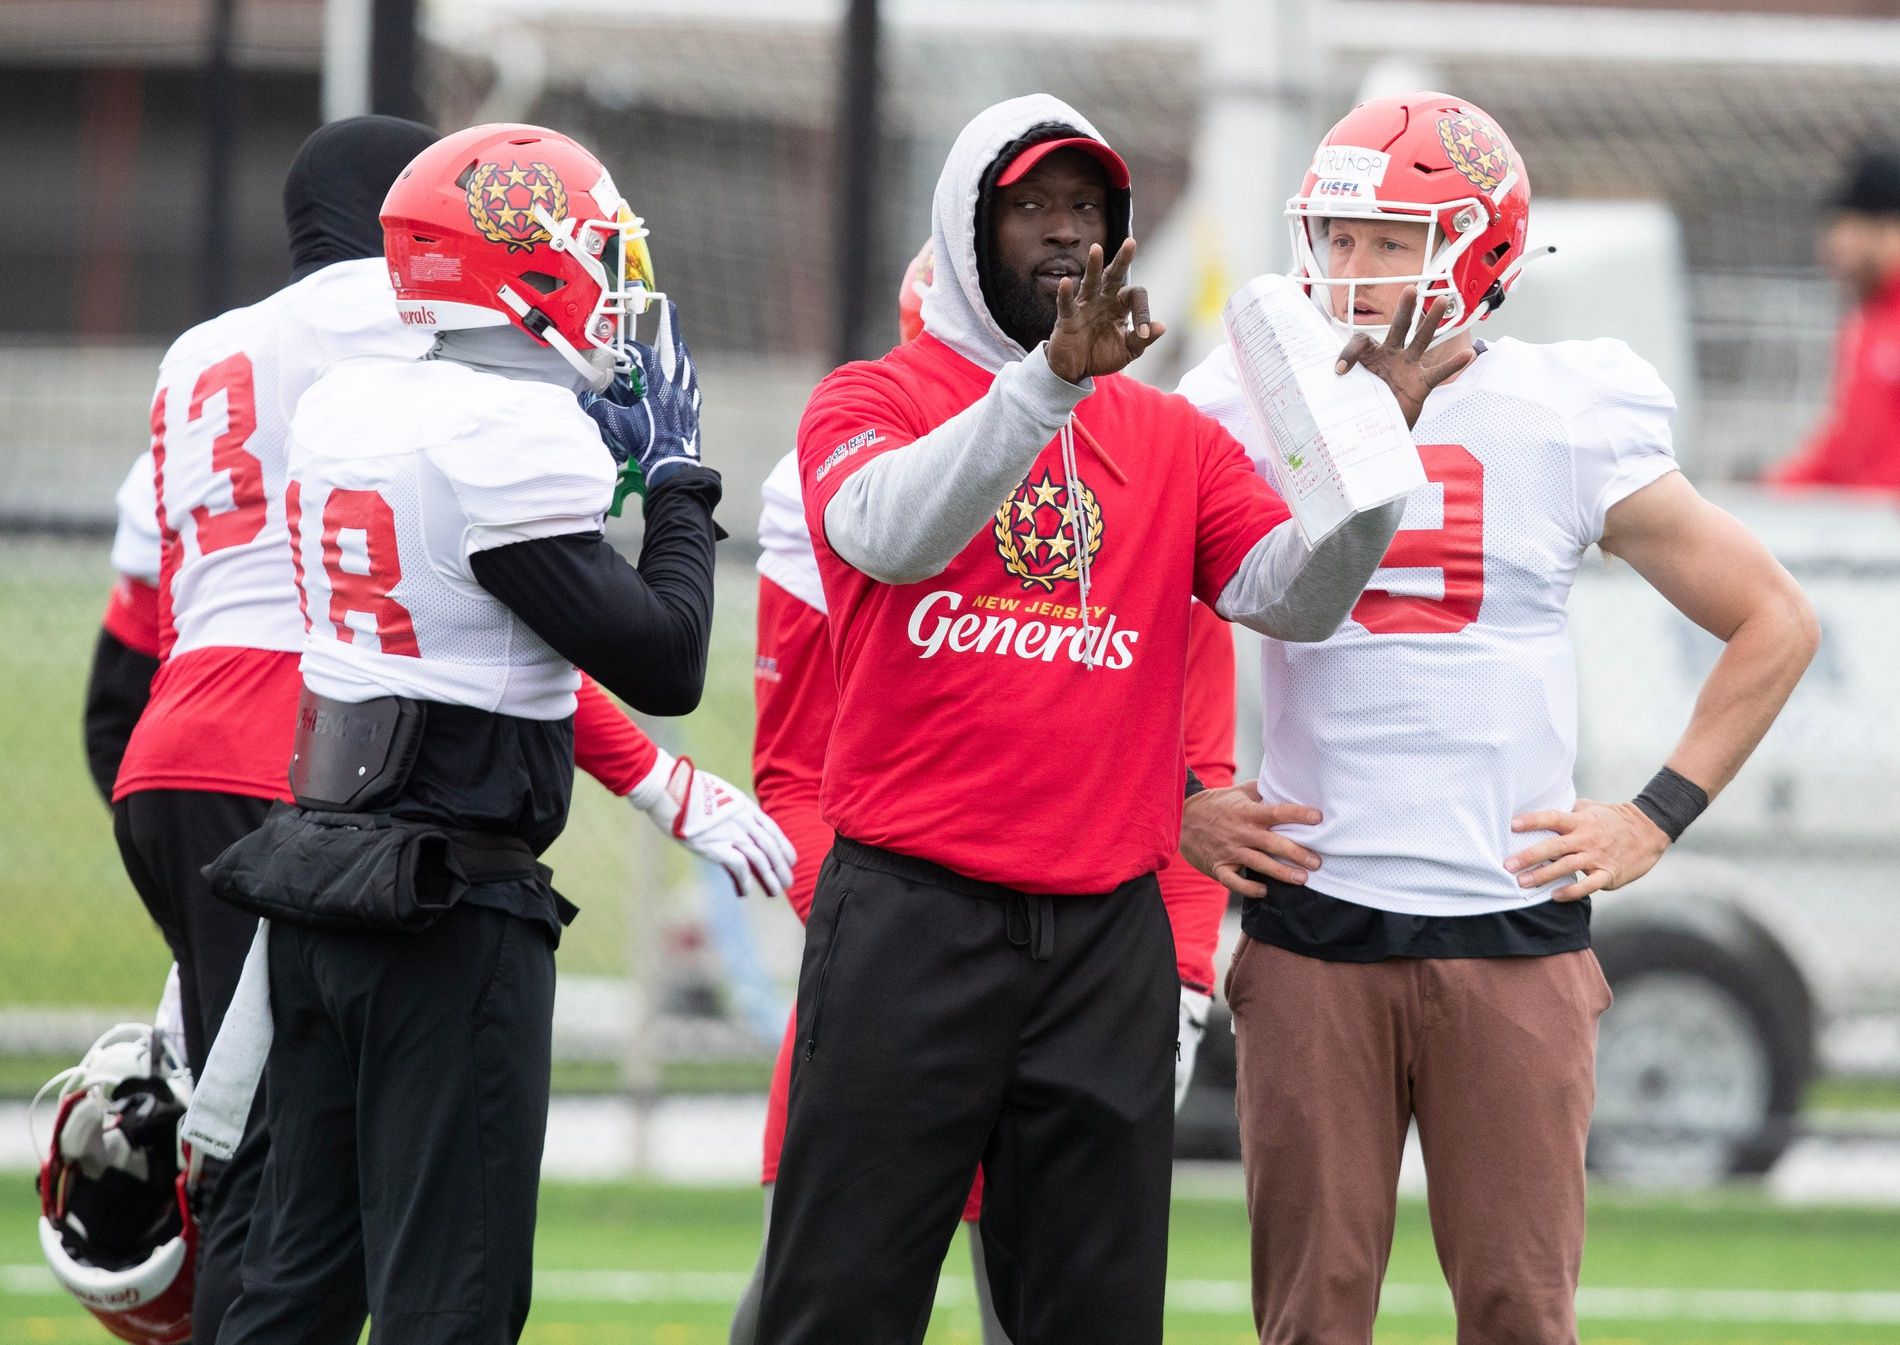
1214	1297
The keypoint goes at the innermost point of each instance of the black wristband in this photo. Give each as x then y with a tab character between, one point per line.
1194	785
1672	801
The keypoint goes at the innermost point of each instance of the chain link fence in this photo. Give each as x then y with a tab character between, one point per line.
720	132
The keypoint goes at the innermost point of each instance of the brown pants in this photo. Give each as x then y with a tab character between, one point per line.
1496	1059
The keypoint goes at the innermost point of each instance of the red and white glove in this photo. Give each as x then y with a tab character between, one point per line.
716	822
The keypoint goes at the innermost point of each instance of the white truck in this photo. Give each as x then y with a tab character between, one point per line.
1778	915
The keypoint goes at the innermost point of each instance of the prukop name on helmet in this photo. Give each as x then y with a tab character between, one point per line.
1352	161
1348	172
939	624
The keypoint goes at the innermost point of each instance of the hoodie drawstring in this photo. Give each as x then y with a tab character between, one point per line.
1072	488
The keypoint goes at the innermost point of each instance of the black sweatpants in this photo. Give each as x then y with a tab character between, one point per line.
944	1021
165	837
407	1106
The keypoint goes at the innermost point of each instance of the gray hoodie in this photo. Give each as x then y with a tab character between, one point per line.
904	516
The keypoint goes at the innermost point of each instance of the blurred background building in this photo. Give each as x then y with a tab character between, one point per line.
783	152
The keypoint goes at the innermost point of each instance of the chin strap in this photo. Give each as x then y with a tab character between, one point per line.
1511	273
538	324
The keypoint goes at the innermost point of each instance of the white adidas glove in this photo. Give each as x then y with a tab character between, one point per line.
716	822
1194	1007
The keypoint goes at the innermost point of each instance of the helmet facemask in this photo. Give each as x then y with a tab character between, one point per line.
614	255
1450	232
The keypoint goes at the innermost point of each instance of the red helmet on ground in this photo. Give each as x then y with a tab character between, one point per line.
518	224
116	1224
1425	157
910	294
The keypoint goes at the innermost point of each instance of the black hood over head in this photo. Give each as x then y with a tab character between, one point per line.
337	184
1119	202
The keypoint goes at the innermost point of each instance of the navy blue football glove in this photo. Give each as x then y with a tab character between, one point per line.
650	418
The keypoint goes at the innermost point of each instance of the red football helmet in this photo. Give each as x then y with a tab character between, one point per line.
1427	157
910	294
116	1223
507	223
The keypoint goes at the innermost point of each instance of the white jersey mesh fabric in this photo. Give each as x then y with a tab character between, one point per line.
1446	704
785	554
401	471
220	424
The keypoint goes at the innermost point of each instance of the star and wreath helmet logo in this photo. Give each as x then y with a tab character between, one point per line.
1036	537
1477	150
501	201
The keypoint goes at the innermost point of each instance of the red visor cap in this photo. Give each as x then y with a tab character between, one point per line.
1111	161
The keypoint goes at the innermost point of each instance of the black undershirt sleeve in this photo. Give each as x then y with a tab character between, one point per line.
116	692
641	632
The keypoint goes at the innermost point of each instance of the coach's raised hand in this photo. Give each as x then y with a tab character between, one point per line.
1401	365
1102	322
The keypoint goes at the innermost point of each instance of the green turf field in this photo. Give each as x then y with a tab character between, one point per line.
626	1264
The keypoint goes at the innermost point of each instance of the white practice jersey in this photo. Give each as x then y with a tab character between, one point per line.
400	471
220	424
785	554
135	545
1446	704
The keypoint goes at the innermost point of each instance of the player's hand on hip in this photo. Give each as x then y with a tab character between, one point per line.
649	417
717	822
1193	1026
1102	322
1608	844
1226	831
1402	365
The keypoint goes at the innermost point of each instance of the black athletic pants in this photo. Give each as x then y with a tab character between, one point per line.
165	837
407	1108
944	1021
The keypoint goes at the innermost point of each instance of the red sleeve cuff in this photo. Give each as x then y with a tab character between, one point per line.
608	745
132	615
